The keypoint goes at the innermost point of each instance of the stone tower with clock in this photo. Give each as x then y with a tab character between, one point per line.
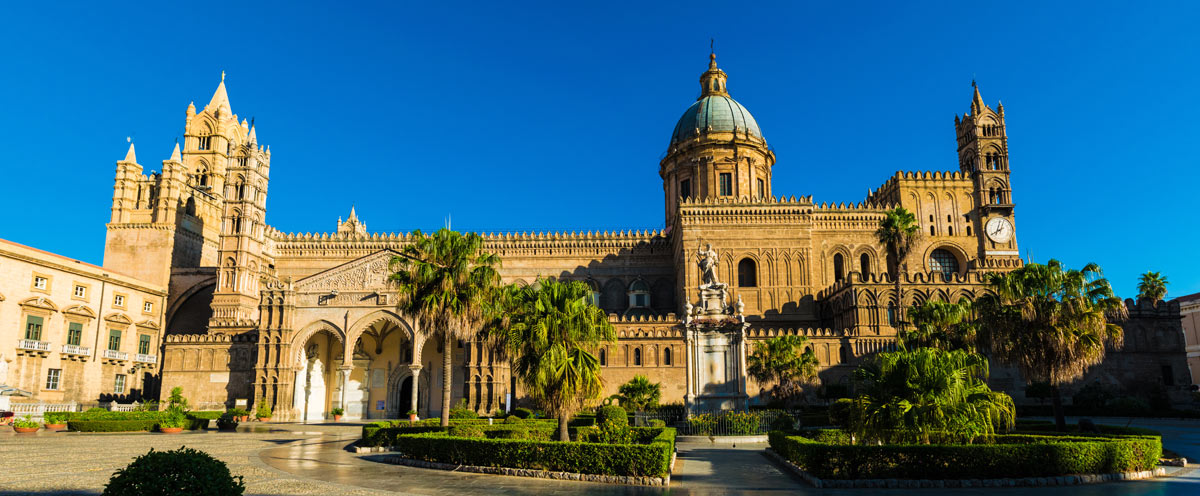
983	157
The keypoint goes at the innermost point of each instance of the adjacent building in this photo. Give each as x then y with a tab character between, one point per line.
1189	307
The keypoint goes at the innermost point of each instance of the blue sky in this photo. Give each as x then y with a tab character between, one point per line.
553	116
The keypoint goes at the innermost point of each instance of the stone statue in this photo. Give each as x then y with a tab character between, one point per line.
741	307
708	268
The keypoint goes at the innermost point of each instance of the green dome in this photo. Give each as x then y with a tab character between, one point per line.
718	113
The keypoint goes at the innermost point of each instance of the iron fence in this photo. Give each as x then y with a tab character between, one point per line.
720	422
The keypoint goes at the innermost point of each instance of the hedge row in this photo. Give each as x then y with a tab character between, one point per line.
652	459
1001	456
98	414
127	425
384	432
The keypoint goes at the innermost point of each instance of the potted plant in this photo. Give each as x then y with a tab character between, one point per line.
172	424
263	412
337	414
55	421
240	414
227	422
25	425
412	415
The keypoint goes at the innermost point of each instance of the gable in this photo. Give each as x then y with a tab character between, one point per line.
366	273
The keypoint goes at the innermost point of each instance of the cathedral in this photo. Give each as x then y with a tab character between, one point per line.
307	322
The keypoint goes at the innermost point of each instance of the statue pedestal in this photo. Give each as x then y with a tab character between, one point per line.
717	367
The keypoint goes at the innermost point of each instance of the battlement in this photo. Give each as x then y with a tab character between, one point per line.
770	332
856	278
1146	308
623	235
209	338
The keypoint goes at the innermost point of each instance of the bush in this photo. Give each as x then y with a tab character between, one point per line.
1001	456
519	433
512	419
26	423
177	401
657	423
498	413
1128	405
783	422
652	457
206	414
263	410
840	412
728	423
1094	395
227	421
611	412
460	411
56	417
168	473
466	430
173	421
523	413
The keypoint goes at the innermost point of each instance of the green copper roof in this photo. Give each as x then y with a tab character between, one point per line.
719	112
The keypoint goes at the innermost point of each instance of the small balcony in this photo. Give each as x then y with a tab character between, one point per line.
115	355
70	349
144	358
32	345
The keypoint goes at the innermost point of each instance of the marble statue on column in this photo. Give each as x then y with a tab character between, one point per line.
712	291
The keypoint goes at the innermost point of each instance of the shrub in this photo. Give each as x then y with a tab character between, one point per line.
263	410
519	433
26	423
205	415
523	412
783	422
168	473
173	421
227	421
466	430
1001	456
652	457
1128	405
337	411
612	431
460	411
512	419
56	417
840	412
611	412
1094	395
111	425
657	423
729	423
498	413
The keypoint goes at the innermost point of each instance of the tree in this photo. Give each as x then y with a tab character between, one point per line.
786	361
445	281
639	393
1050	323
898	232
937	324
926	395
553	325
1153	286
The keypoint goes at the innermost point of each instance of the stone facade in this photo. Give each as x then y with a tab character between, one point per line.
306	322
1189	306
75	332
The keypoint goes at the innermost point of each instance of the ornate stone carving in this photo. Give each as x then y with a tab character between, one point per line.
369	272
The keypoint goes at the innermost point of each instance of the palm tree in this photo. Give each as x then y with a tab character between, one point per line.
639	393
553	324
786	361
898	232
445	281
1050	323
1153	286
937	324
911	396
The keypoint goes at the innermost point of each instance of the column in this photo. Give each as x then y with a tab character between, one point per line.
416	374
344	373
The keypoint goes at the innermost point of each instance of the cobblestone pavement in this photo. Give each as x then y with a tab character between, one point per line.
284	459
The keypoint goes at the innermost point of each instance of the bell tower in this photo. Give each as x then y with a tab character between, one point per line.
983	156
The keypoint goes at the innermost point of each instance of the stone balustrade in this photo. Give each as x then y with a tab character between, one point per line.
71	349
30	344
145	358
115	355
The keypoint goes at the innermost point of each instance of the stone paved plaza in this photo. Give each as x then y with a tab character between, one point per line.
284	459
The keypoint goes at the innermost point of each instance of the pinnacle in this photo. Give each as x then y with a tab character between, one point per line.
130	156
175	156
220	97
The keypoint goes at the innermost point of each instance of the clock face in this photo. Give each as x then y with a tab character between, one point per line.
999	229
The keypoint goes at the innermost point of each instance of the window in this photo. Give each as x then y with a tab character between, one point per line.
667	356
52	377
891	316
943	261
114	340
762	188
144	344
147	307
39	282
74	333
119	300
931	232
726	184
80	291
603	357
685	188
205	142
747	277
864	265
637	356
119	384
33	328
639	294
838	268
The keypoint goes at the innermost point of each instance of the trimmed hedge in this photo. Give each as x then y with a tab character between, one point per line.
1002	456
651	459
384	433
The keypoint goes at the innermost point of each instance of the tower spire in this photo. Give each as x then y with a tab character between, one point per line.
712	82
220	98
977	100
175	156
130	156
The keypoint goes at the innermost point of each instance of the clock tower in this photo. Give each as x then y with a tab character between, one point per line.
983	156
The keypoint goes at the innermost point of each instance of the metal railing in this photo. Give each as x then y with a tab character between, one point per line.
30	344
145	358
735	423
71	349
115	355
